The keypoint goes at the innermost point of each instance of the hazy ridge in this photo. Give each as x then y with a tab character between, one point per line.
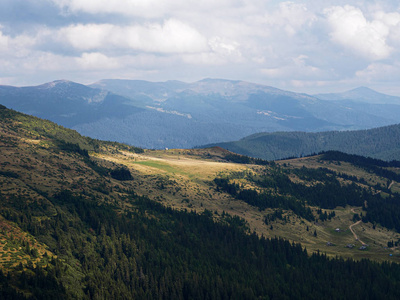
175	114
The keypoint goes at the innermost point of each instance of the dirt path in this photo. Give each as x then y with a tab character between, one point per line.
355	235
352	231
390	185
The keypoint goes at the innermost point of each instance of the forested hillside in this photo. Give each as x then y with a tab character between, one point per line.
382	143
86	219
324	188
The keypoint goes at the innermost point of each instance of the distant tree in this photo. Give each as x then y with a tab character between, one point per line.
121	174
356	217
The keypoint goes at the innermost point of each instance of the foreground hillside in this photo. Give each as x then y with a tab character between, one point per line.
382	143
86	219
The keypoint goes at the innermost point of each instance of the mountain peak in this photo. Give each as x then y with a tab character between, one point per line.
217	80
52	84
361	94
363	90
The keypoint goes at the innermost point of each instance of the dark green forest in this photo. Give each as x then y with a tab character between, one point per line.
154	252
378	143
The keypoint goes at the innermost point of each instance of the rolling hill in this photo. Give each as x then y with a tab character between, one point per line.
175	114
382	143
82	218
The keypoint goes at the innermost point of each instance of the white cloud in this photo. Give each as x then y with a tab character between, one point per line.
19	46
293	43
36	63
351	29
3	41
290	17
225	47
173	36
295	68
392	21
87	37
376	72
49	63
97	61
204	59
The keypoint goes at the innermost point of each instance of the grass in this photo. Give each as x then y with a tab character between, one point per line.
375	238
160	166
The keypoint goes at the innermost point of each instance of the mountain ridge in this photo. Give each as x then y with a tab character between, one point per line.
175	114
376	143
361	94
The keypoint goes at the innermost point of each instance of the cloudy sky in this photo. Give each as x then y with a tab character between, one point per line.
305	46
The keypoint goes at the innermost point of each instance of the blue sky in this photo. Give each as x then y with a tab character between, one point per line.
306	46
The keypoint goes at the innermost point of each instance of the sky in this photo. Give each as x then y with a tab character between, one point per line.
309	46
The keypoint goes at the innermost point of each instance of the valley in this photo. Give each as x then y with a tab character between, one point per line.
78	214
199	150
186	178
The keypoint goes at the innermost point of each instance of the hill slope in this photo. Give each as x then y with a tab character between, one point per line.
104	220
382	143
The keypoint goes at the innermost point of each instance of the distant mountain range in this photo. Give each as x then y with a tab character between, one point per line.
67	103
175	114
361	94
382	143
